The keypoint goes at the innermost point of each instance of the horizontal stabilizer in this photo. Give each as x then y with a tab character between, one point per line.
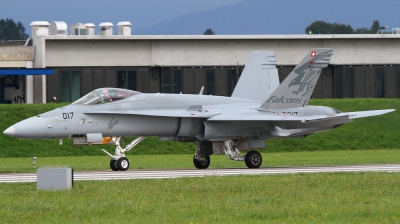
318	121
369	113
162	113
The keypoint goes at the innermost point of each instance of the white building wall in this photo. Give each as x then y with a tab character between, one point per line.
39	81
204	50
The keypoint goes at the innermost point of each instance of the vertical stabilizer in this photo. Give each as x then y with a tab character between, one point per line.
259	77
297	88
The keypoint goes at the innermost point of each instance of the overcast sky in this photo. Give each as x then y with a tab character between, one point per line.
141	13
235	16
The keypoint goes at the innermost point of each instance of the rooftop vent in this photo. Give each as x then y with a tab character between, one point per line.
78	29
58	28
40	28
396	30
90	28
106	29
124	28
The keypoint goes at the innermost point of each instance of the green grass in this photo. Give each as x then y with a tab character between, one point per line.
321	198
311	198
380	132
149	162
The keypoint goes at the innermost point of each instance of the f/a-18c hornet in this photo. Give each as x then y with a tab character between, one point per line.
260	108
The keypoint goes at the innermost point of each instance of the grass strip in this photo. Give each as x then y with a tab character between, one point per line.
149	162
321	198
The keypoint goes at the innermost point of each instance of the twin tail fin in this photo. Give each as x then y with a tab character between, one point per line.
297	88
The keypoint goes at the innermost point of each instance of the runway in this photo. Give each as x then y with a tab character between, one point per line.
160	174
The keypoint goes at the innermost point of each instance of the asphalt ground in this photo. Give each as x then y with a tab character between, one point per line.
160	174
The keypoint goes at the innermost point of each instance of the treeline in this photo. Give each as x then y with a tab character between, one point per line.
11	30
322	27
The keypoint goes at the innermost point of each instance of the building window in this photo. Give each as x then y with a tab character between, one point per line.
70	86
210	81
349	82
127	80
232	80
380	82
338	82
343	78
80	32
171	80
398	82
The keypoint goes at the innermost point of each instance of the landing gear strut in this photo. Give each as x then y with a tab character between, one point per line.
118	160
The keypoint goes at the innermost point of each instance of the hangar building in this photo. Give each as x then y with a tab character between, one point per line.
364	65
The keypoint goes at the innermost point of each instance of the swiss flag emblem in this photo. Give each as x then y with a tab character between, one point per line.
313	54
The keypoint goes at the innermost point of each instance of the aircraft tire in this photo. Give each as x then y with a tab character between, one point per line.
253	159
123	164
113	165
202	164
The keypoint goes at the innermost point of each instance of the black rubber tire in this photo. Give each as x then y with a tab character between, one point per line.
113	165
202	164
253	159
123	164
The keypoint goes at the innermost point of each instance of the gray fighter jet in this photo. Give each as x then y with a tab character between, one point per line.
258	109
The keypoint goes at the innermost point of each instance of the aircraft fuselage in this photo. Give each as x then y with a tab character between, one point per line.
76	119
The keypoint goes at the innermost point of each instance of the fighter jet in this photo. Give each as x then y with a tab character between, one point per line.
259	109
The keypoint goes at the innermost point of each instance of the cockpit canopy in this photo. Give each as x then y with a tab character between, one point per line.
105	95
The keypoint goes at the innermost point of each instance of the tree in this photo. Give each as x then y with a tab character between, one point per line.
9	30
375	26
322	27
362	30
209	31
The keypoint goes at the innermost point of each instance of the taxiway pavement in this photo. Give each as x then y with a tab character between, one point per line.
159	174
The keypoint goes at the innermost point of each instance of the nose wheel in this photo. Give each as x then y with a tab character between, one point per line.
114	165
122	164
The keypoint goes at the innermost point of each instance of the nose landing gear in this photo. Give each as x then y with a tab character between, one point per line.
118	161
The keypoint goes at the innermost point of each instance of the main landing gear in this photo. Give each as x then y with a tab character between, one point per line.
118	161
253	158
200	161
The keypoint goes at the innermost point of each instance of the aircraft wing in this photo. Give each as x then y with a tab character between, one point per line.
161	113
360	114
287	121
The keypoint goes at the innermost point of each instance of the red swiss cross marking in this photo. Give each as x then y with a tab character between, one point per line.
313	54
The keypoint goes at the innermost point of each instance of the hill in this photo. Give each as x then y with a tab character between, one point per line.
276	17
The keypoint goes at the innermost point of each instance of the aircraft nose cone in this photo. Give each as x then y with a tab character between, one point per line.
9	131
34	127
